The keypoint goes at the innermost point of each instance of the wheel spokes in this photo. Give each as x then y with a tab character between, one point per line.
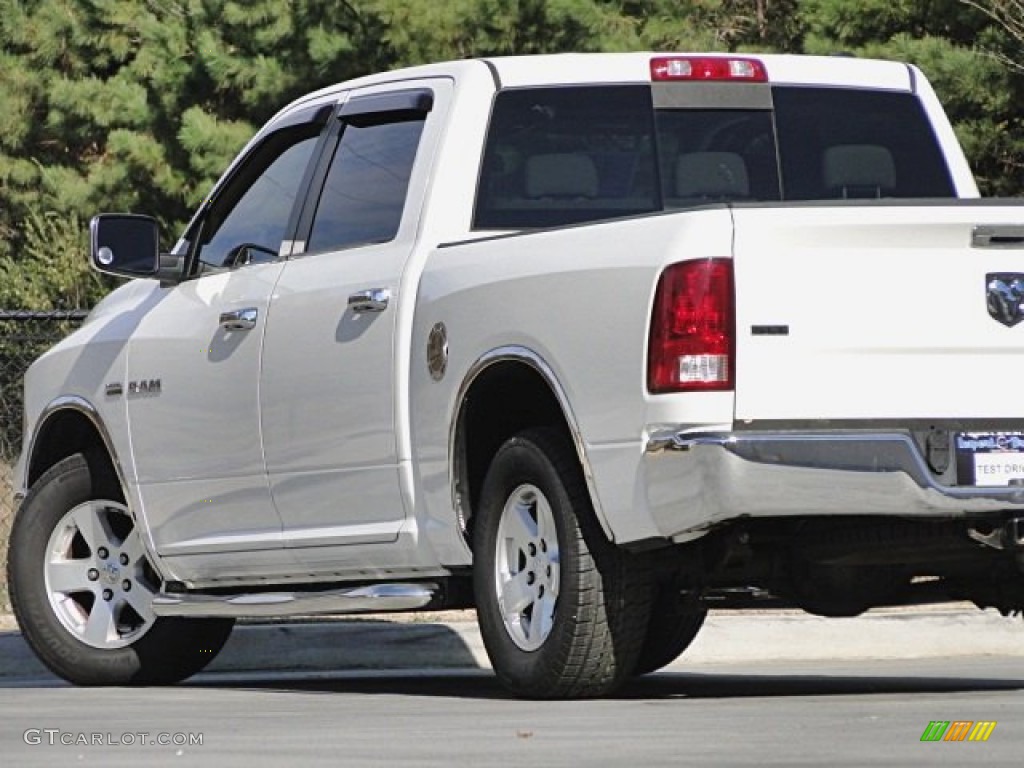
94	526
521	526
141	601
100	583
545	519
101	626
133	547
544	613
68	576
526	574
516	594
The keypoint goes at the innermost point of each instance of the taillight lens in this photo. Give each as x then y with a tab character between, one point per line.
708	68
693	328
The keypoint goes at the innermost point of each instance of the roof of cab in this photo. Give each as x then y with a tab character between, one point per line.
581	68
570	68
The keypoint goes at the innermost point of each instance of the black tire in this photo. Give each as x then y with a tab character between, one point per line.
601	594
135	650
675	622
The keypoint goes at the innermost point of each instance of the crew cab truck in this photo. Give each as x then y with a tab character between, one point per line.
592	343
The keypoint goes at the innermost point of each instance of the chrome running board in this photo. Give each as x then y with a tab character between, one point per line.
366	599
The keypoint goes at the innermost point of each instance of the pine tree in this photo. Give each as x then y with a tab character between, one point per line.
140	104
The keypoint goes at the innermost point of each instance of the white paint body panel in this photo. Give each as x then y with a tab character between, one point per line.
887	313
569	297
197	447
327	397
330	386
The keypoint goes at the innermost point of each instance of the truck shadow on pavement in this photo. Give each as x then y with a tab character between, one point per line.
481	684
344	645
434	660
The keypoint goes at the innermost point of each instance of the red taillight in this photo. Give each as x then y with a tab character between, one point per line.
693	328
708	68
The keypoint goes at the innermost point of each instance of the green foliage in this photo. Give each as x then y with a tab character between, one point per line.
50	272
954	44
140	104
210	144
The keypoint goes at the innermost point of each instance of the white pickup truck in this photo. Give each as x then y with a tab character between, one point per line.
589	342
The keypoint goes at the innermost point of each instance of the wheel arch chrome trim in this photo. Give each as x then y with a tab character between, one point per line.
524	356
84	408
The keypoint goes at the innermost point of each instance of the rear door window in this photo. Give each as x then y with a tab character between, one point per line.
365	189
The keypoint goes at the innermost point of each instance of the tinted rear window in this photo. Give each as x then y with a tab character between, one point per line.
564	155
836	143
716	155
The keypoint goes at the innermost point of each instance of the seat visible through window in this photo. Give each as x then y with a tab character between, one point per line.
712	176
561	176
858	170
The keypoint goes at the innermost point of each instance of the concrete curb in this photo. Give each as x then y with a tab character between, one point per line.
339	645
898	635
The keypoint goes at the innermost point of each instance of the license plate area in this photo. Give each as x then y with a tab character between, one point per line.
990	459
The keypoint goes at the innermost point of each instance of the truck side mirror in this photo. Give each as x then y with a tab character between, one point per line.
125	244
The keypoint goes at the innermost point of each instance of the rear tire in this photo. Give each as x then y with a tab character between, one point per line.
82	586
675	622
562	611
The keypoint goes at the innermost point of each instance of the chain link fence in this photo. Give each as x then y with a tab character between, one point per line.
23	337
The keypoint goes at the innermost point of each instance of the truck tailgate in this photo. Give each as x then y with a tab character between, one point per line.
878	311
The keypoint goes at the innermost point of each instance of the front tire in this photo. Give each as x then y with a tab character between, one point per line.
562	611
82	587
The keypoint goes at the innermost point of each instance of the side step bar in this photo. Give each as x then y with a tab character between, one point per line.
366	599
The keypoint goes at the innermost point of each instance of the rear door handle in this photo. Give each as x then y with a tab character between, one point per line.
373	300
239	319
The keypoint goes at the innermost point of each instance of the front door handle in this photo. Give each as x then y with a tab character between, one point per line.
373	300
239	319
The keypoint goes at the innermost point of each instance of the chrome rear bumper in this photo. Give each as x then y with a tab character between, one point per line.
695	480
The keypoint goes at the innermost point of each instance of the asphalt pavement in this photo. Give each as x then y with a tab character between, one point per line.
849	714
755	689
